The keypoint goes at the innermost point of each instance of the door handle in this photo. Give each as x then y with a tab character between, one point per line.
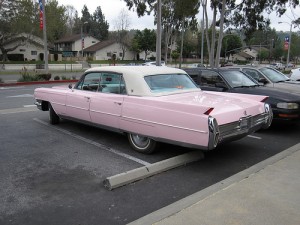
118	103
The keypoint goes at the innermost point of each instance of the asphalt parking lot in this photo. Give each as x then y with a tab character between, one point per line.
54	174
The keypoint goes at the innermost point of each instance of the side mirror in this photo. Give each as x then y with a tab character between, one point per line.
262	80
70	86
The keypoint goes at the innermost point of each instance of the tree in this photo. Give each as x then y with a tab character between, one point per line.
71	14
99	26
146	40
16	18
185	12
122	23
56	20
232	43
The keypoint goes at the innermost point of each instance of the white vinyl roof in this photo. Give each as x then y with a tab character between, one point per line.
134	77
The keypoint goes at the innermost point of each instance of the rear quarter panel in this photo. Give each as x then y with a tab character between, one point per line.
165	120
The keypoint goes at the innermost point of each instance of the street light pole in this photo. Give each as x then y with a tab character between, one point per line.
290	42
289	49
82	39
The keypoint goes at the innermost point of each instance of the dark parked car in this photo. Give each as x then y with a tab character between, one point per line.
270	77
285	105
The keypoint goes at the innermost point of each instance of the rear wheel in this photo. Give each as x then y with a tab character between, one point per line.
141	143
53	117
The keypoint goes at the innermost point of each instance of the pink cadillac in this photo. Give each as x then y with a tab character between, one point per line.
155	104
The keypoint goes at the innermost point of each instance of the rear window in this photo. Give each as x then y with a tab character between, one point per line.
169	82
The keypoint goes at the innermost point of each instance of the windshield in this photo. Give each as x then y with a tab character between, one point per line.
273	75
169	82
238	79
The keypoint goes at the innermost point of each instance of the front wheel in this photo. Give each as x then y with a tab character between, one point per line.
53	117
141	143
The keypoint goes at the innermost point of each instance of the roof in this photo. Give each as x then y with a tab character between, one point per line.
71	38
245	55
134	77
100	45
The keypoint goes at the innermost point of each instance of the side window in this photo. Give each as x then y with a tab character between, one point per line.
210	78
253	73
112	83
90	82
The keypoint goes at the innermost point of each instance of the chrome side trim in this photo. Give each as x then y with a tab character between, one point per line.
163	124
105	113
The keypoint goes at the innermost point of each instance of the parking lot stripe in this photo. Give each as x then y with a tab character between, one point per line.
150	170
255	137
94	143
17	110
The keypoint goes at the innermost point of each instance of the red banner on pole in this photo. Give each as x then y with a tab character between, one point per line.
41	15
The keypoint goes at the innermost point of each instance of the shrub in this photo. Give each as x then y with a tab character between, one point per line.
26	76
56	78
46	76
63	77
1	81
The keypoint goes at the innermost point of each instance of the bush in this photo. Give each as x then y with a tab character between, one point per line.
46	76
63	77
1	81
26	76
56	78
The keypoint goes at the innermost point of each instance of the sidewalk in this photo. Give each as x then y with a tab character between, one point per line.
267	193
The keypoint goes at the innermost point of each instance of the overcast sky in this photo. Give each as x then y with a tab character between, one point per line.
112	8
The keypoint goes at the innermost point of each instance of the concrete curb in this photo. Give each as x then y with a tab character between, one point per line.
150	170
36	82
188	201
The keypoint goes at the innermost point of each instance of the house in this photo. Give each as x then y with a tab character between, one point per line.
72	46
242	56
106	50
27	48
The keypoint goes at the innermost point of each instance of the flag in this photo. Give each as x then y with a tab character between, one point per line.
41	14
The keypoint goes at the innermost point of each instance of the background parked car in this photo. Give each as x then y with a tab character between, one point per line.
153	63
270	77
278	66
285	106
295	74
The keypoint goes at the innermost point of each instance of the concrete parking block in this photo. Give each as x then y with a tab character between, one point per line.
146	171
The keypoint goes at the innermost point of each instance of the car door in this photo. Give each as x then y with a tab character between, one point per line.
106	105
211	81
256	75
78	100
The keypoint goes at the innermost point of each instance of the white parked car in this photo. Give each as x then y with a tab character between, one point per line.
278	66
153	63
295	74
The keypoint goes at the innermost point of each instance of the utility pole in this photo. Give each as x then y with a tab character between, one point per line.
45	38
202	33
158	34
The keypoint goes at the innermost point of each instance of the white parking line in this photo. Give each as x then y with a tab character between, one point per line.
255	137
21	96
94	143
17	110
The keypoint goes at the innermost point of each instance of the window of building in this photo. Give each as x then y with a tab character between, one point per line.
33	52
22	50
